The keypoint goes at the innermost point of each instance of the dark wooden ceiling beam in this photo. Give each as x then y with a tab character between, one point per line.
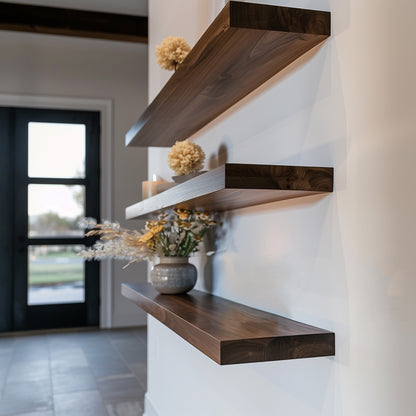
70	22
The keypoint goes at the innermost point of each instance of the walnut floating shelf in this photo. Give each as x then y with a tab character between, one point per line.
245	46
231	333
233	186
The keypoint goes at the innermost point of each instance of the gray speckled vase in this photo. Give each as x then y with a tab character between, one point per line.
173	275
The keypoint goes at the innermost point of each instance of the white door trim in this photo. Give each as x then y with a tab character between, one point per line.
105	107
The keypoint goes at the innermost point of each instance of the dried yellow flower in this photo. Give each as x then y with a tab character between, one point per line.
186	157
150	234
183	214
171	52
169	236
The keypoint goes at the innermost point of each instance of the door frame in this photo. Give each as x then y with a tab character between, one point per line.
105	108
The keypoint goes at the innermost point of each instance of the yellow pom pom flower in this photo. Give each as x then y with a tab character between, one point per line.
171	52
186	157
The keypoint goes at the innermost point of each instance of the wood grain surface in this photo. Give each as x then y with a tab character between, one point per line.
235	185
231	333
244	47
71	22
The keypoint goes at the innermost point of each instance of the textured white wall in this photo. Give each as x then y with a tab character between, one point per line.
345	262
61	66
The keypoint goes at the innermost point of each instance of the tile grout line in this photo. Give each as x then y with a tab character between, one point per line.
125	361
97	378
128	365
96	388
50	373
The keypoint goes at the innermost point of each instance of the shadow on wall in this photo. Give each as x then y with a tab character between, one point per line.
219	159
214	236
214	244
248	127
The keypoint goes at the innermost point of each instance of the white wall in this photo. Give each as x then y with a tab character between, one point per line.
344	262
59	66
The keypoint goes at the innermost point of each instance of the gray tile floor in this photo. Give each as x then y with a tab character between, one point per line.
91	373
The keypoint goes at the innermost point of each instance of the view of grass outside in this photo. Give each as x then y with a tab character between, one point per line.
54	265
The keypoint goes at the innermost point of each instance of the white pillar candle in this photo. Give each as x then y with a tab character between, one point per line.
149	187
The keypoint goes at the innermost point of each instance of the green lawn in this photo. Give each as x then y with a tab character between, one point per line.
49	270
69	254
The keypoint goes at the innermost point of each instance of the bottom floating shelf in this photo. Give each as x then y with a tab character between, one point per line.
228	332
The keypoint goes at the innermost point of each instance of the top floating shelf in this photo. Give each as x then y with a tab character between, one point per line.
245	46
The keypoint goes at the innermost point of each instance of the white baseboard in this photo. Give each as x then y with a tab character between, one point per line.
149	410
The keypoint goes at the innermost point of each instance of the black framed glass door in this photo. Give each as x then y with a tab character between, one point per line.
55	170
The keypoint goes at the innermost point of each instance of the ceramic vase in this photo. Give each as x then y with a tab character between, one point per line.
173	275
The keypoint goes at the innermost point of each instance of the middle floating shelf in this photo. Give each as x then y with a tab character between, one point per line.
234	185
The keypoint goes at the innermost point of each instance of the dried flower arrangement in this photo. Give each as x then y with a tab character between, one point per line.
176	233
186	157
171	52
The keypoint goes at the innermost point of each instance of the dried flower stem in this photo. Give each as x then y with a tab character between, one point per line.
177	232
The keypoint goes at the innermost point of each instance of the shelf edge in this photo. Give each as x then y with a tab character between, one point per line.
313	342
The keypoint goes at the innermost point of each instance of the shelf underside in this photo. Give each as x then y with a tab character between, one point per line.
233	186
231	333
245	46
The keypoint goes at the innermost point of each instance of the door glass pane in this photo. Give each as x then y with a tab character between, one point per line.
56	150
56	275
54	210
